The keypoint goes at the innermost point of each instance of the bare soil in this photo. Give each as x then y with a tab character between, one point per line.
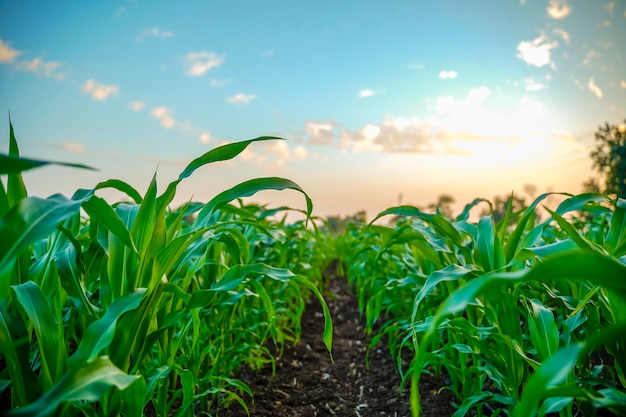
308	384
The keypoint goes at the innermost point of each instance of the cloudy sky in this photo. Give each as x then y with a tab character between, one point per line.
376	99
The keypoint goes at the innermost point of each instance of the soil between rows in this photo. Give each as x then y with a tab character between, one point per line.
307	384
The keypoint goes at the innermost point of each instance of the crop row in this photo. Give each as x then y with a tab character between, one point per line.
132	308
524	316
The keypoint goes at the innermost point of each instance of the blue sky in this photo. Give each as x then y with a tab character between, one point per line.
469	98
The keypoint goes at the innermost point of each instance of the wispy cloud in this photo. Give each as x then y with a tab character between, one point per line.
267	54
558	9
204	137
610	7
120	11
590	56
594	88
274	153
154	32
242	98
622	84
447	75
199	63
99	91
563	34
366	92
39	66
215	83
7	54
75	147
536	52
164	115
532	85
321	133
416	65
136	105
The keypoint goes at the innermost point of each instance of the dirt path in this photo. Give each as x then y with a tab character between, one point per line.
307	384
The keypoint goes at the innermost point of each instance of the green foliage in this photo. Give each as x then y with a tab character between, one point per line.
106	309
517	312
609	159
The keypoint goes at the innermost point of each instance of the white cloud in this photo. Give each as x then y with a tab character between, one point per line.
200	63
445	75
267	54
590	56
136	105
416	66
242	98
536	52
594	88
205	137
563	34
532	85
558	9
366	93
72	146
99	91
610	7
622	84
164	115
321	133
7	54
154	32
39	66
460	126
273	153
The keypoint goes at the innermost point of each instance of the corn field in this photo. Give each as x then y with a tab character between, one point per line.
136	308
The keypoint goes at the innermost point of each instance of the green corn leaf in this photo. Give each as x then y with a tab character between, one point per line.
573	233
12	165
16	190
4	200
121	186
247	189
488	246
41	317
543	330
615	242
221	153
451	272
579	201
586	266
86	383
101	212
559	366
99	334
15	350
144	224
513	242
440	223
29	221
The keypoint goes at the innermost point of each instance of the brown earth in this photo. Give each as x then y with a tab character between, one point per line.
307	384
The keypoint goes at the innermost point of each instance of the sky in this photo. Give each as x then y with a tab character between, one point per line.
380	103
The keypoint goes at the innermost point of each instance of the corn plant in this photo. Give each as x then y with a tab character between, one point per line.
500	307
136	305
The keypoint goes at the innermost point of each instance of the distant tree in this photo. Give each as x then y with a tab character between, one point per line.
338	224
501	204
609	158
443	204
530	190
591	186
